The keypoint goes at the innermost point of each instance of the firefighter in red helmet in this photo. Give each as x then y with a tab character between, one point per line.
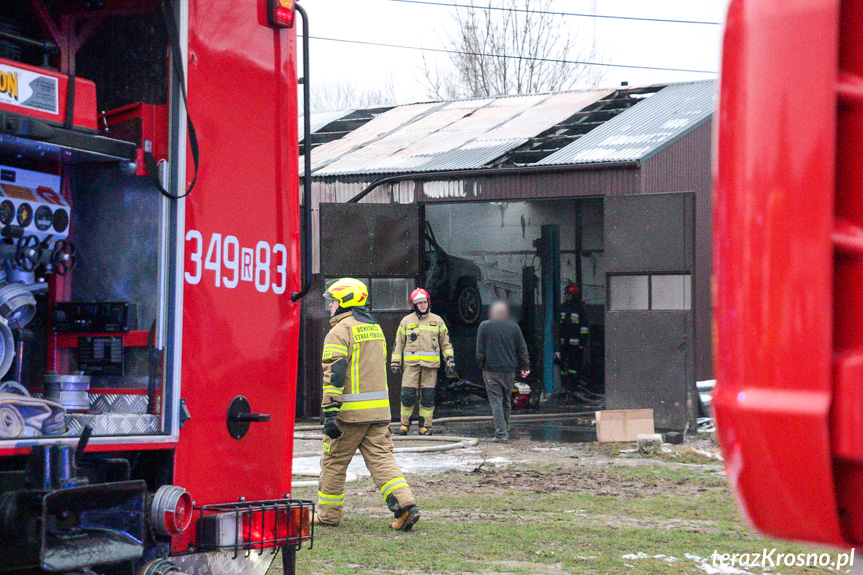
574	333
422	338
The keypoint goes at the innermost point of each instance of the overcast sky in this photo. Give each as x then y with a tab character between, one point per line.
673	45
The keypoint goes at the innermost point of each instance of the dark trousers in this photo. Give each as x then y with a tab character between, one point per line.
498	386
571	359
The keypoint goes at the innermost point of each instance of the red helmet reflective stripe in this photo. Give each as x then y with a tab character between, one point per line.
419	295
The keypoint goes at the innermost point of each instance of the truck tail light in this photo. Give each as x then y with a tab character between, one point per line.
171	510
280	13
269	526
255	525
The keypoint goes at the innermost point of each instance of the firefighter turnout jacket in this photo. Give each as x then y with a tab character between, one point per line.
421	341
355	372
574	331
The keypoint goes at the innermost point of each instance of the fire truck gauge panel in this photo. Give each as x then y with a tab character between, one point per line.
7	212
34	202
60	220
24	214
43	219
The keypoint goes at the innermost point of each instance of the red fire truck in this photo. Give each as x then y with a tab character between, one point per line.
788	248
150	276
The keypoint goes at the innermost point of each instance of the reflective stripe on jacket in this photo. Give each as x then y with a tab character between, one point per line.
355	355
421	341
574	330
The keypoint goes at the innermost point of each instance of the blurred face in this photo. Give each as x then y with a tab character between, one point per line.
423	306
333	305
498	310
567	297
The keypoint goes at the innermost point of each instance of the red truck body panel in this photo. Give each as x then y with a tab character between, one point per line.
240	333
778	347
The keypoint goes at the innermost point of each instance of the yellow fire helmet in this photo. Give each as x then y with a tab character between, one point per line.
348	292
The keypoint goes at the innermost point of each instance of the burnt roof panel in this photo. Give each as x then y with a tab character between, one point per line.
448	135
643	129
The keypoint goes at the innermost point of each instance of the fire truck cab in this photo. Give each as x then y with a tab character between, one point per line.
149	250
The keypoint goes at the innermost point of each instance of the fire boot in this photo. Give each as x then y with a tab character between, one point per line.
317	521
427	431
403	430
406	518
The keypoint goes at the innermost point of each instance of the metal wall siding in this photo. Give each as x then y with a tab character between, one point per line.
647	233
527	186
685	165
342	190
648	364
374	230
515	187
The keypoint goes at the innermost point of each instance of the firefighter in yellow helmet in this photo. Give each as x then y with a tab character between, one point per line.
357	409
421	339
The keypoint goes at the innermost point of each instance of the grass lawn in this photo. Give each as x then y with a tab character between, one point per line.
596	514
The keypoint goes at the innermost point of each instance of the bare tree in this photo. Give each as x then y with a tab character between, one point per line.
344	95
510	47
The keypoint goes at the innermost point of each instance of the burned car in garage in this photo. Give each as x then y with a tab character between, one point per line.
453	282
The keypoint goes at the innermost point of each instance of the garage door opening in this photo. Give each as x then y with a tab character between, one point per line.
477	252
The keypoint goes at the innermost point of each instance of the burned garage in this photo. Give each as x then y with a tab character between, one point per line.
517	198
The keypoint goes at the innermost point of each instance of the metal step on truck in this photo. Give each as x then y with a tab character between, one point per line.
150	276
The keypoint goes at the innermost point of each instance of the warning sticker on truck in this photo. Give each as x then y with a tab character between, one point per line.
27	89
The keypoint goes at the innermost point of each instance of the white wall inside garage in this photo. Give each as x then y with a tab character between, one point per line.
499	236
592	259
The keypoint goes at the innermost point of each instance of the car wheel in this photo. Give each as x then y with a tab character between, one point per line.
468	302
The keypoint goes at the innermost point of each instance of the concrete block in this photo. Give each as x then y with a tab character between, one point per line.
649	443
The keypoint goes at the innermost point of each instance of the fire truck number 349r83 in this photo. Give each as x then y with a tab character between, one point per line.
266	265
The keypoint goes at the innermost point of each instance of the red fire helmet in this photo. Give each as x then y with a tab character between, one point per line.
419	295
573	289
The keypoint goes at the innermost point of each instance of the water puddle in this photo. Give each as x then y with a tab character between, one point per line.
551	431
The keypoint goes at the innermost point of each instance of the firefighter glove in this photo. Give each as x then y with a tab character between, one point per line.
450	367
396	368
331	425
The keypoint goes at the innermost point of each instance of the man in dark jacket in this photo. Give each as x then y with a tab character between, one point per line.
500	350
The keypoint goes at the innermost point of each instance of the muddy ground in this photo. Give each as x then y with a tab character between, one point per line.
545	507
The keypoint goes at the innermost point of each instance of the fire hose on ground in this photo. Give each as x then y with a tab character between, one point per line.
472	418
451	442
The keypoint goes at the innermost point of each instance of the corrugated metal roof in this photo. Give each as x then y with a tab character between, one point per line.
372	131
643	129
321	119
447	135
472	155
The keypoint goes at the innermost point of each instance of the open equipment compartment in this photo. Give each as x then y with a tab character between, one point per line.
87	241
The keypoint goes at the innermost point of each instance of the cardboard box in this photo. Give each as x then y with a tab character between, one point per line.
623	424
